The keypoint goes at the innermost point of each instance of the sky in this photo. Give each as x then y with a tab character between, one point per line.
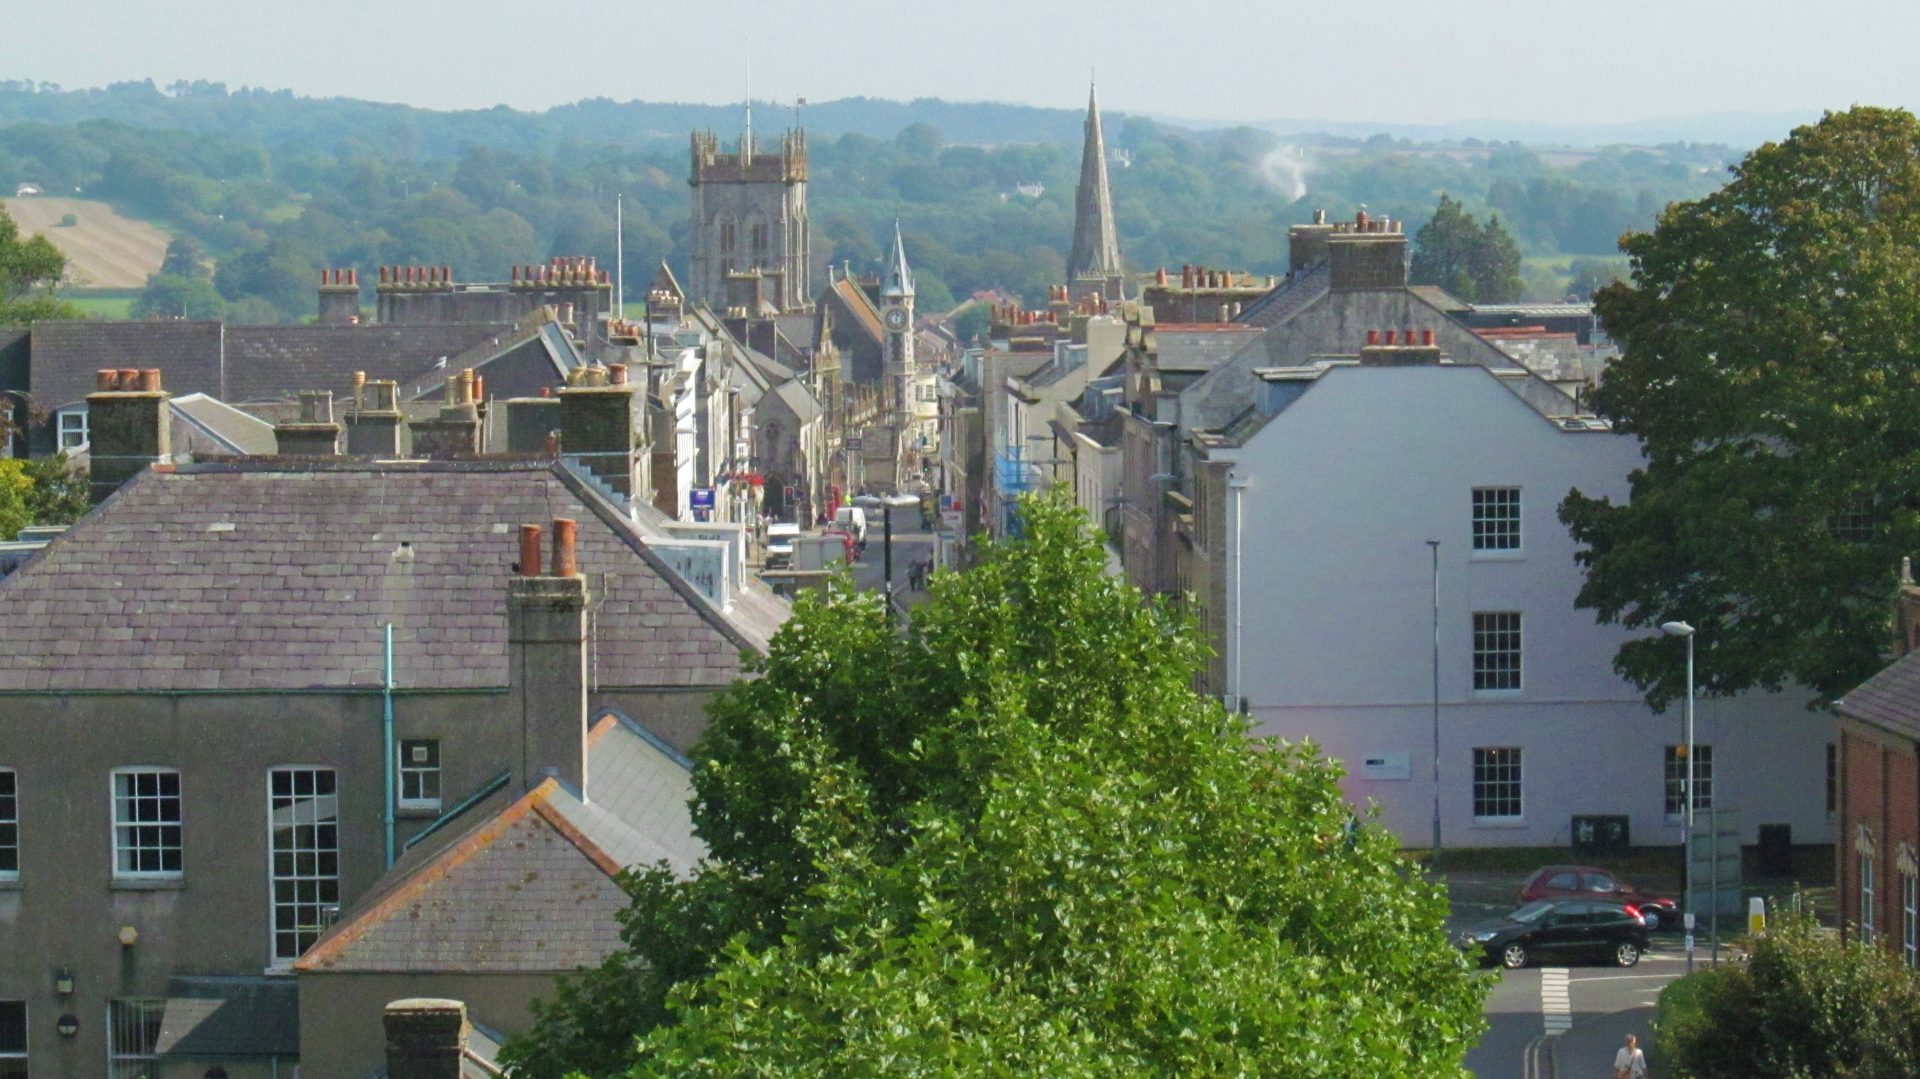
1396	61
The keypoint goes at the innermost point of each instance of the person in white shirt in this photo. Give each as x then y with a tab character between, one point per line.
1630	1062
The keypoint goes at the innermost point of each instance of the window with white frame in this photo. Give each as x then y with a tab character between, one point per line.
1909	909
1866	897
1496	783
9	825
72	427
146	823
13	1039
1496	650
303	822
133	1032
420	773
1676	774
1496	518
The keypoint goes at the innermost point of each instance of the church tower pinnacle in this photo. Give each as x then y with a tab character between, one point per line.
1094	262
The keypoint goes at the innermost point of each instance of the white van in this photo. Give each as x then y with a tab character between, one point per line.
780	537
854	520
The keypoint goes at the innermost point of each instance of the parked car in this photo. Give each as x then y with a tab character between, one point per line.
780	537
1587	882
1560	930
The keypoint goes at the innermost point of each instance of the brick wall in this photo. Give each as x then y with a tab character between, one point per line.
1880	789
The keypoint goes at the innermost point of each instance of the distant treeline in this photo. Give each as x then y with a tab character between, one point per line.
275	186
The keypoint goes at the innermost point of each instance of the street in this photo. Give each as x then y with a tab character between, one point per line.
911	544
1587	1010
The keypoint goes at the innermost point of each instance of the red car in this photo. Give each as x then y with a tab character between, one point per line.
1587	882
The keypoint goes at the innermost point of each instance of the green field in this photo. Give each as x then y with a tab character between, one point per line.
102	303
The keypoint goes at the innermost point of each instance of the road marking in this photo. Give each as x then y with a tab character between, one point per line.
1555	1008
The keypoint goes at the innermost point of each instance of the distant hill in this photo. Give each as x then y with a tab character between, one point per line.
103	249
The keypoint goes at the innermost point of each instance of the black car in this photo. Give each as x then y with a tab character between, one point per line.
1560	930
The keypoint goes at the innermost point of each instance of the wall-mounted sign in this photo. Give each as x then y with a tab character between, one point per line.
1385	766
700	498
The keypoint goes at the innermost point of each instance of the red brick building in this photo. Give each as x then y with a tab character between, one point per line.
1877	843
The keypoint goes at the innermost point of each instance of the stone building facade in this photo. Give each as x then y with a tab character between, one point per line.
750	213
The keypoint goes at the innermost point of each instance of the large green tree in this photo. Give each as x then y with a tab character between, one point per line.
1012	840
1473	262
30	270
1771	371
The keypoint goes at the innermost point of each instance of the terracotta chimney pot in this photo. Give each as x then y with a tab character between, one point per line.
564	562
150	379
529	550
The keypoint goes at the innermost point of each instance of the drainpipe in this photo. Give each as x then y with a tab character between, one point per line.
386	741
1237	486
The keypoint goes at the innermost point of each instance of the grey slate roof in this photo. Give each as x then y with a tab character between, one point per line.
1889	700
65	356
229	1016
266	362
202	424
531	888
277	573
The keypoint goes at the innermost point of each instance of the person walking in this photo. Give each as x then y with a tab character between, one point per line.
1630	1062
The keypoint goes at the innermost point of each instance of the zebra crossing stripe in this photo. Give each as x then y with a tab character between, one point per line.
1556	1007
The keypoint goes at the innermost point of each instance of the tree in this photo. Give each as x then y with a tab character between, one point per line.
168	296
16	487
185	259
1768	369
1590	276
59	494
1803	1004
1472	262
29	271
1013	840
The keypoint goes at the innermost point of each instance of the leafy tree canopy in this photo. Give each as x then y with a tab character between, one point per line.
1769	336
1473	262
29	271
1013	840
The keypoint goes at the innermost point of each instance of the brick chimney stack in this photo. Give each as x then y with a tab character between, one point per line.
457	430
426	1038
128	424
600	426
314	434
529	421
373	423
547	659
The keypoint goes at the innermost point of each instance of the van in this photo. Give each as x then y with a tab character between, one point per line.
854	520
780	537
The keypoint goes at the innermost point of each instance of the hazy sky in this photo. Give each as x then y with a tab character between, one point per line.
1390	60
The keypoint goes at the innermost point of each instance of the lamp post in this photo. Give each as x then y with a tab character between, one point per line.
1681	629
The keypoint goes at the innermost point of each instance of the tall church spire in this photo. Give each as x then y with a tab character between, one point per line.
899	280
1096	245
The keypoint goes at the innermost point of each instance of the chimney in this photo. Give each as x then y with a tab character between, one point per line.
1366	258
600	427
456	432
128	423
339	297
547	659
1307	244
529	421
373	426
1390	349
426	1038
314	434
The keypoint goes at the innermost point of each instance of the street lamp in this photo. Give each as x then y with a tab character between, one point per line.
1434	546
1681	629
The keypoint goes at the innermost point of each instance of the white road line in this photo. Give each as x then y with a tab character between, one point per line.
1556	1008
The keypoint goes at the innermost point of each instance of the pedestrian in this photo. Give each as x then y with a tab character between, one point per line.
1630	1062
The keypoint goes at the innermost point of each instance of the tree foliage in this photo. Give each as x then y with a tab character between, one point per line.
1473	262
1013	841
30	269
1802	1005
1769	334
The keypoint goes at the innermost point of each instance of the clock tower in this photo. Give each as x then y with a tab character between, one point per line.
896	310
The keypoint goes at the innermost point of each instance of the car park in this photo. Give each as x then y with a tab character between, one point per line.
1559	931
1589	882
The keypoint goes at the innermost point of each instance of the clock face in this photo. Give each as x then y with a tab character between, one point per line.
896	319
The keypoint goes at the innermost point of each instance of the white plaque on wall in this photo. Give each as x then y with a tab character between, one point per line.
1385	766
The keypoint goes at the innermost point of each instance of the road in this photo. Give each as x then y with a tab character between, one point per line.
910	544
1587	1009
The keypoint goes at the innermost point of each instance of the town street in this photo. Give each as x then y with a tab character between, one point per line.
1585	1009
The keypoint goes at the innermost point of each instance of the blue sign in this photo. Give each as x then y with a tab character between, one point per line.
700	498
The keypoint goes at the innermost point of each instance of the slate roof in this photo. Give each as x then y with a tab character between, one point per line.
277	573
65	356
265	362
531	888
229	1016
202	424
1889	700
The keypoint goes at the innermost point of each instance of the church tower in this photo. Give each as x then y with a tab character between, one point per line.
896	311
750	216
1093	264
